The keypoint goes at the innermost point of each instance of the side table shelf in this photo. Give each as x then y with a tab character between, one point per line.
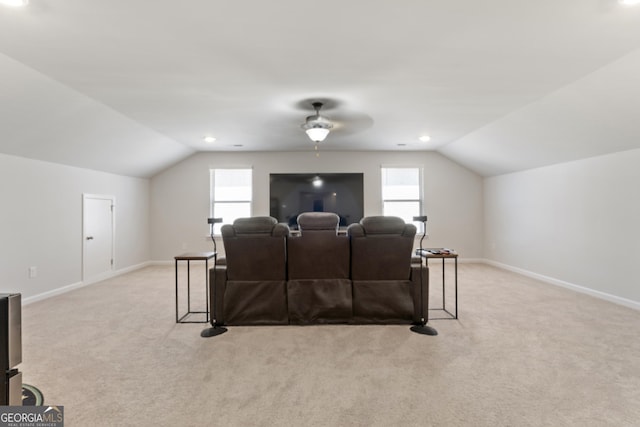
188	257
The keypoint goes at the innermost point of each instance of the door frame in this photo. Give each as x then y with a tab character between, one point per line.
85	197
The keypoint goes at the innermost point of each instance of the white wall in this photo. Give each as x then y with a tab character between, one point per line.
575	222
180	195
41	223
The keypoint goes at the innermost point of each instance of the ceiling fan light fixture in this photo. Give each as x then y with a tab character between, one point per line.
317	127
317	134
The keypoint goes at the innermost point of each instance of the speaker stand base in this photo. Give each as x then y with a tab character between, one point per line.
213	332
424	330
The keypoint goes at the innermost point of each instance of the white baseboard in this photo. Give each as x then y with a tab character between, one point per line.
162	262
52	293
552	281
68	288
470	260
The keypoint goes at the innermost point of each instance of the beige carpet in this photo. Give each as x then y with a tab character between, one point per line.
522	354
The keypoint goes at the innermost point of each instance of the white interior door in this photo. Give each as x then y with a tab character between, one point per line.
98	213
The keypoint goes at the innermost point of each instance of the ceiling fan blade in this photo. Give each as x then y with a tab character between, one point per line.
351	123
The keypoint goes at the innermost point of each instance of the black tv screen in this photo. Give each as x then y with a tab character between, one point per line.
291	194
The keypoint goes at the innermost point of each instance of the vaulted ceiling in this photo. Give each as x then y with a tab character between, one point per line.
131	87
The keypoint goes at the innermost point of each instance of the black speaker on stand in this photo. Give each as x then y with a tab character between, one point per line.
423	328
215	329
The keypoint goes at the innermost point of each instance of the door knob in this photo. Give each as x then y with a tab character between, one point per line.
89	237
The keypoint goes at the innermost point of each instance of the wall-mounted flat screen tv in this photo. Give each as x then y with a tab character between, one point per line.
291	194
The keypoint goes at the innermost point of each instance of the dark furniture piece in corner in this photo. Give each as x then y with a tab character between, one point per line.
318	285
11	349
250	283
386	283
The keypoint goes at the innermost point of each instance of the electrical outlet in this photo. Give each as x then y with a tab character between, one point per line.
33	272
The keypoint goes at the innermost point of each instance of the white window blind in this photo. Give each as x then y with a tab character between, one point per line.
231	194
402	193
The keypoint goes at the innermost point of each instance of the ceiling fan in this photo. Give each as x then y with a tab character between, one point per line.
317	127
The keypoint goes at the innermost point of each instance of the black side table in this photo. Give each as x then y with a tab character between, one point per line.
194	256
443	254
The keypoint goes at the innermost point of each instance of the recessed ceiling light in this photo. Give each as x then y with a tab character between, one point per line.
425	138
14	3
629	2
209	139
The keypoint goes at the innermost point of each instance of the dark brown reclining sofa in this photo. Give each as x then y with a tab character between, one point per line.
270	276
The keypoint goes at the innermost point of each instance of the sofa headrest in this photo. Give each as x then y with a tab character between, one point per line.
382	224
376	225
257	225
355	230
315	221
